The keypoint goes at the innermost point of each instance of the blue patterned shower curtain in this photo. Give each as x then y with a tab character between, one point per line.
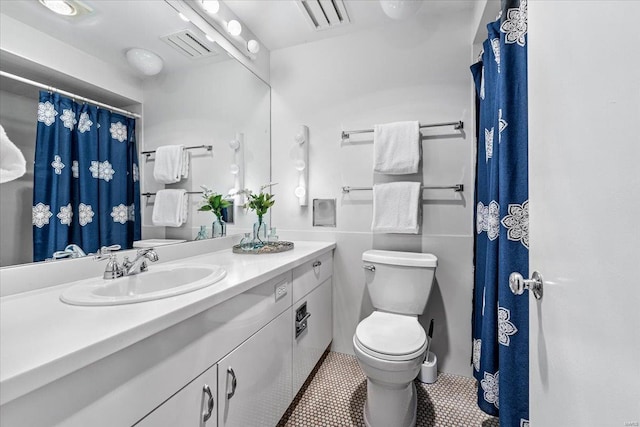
86	178
501	319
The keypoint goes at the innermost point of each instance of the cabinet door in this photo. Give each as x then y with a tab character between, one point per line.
254	381
311	343
193	406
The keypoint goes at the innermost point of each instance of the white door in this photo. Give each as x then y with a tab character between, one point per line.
584	190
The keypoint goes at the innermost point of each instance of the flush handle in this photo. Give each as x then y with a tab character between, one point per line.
371	268
518	284
210	403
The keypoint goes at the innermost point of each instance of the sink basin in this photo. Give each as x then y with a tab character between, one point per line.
156	283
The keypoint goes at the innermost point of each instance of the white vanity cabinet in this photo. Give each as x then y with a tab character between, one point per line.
313	319
193	406
254	380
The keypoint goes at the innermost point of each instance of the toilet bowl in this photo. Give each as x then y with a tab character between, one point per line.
390	356
390	344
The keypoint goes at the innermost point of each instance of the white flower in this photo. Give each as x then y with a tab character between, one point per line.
68	118
488	219
517	223
490	386
57	165
65	214
101	170
502	124
131	212
118	131
85	214
120	213
515	24
488	143
505	327
477	346
46	113
41	214
495	46
136	173
85	123
75	169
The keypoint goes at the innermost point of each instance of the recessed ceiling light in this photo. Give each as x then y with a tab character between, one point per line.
253	46
60	7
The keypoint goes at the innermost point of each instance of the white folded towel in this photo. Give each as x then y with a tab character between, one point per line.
170	208
396	207
185	164
12	162
168	165
396	148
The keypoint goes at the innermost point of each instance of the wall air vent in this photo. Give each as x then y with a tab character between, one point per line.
190	45
324	14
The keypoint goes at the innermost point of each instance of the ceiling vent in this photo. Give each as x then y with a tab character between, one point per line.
190	45
324	14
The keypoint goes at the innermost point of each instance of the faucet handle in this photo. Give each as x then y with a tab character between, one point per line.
106	252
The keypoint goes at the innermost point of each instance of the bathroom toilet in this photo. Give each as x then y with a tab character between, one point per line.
390	343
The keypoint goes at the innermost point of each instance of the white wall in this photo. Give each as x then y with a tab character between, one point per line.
402	71
208	105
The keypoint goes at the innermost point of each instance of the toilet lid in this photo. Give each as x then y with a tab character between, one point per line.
391	334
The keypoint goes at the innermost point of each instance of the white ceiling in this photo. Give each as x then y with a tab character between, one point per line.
280	23
117	25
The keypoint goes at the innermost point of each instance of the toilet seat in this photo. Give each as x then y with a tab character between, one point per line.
390	336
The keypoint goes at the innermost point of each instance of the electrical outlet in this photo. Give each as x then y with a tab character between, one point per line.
281	290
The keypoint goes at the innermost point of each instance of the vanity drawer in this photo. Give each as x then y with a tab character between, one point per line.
311	274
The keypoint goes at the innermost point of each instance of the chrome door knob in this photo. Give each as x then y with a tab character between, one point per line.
518	284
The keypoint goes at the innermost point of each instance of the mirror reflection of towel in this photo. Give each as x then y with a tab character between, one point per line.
170	208
169	162
12	162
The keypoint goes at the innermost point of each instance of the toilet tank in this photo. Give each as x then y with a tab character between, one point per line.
400	281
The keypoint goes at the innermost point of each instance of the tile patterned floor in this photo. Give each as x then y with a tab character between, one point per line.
335	393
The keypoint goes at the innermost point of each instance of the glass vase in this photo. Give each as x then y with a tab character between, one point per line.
259	233
218	228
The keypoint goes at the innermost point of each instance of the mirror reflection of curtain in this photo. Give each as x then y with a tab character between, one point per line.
86	178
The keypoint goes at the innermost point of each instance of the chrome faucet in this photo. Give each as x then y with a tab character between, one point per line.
113	269
139	264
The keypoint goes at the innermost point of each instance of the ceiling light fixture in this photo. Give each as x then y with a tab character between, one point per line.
60	7
400	9
234	28
146	62
253	46
211	6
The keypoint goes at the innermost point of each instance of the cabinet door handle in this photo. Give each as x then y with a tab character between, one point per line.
207	414
316	264
234	382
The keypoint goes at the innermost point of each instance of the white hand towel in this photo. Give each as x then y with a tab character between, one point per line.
169	209
168	164
185	164
12	162
396	207
396	148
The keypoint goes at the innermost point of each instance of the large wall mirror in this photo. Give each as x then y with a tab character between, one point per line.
209	100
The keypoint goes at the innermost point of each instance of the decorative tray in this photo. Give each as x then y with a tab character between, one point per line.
268	248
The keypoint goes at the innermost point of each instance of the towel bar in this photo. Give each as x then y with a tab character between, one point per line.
147	194
194	147
456	188
459	125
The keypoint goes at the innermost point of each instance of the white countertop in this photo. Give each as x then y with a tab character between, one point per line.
43	339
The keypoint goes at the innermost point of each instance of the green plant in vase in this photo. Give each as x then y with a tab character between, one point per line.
260	203
214	203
